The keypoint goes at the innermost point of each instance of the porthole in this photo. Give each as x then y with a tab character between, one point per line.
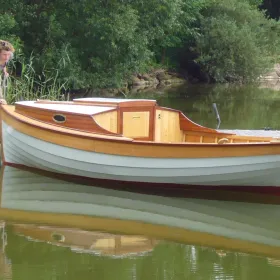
59	118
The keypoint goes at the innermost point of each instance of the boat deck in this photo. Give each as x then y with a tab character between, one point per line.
71	107
247	132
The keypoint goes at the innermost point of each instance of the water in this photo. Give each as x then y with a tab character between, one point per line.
53	229
240	107
40	260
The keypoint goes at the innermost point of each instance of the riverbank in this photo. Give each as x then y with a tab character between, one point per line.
271	80
156	79
159	80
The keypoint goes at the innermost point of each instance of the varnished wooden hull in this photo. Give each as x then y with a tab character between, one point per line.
47	147
32	198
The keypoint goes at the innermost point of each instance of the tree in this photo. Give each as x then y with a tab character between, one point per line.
237	42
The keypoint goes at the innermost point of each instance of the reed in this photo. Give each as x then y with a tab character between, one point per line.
31	86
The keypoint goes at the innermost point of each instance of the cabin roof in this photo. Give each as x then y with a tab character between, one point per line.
79	109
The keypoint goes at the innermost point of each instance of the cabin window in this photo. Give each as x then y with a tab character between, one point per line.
59	118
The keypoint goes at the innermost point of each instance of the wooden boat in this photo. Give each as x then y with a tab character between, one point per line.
27	197
134	141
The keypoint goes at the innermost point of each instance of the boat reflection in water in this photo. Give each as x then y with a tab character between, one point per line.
93	242
33	198
5	263
120	224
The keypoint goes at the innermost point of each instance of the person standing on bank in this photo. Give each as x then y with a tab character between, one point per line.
6	53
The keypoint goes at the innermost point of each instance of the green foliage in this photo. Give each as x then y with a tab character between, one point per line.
119	47
106	41
7	27
168	24
256	3
237	42
7	23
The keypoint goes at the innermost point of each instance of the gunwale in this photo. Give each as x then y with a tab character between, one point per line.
119	145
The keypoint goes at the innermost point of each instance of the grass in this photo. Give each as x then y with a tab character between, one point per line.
31	85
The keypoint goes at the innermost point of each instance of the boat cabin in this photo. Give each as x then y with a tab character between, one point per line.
139	119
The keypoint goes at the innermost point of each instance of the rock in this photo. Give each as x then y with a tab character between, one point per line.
154	81
277	69
271	79
137	82
273	74
166	78
141	89
146	77
163	76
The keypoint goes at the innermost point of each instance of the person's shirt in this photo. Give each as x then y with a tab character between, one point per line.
3	66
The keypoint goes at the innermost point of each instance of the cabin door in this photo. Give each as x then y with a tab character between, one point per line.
137	124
